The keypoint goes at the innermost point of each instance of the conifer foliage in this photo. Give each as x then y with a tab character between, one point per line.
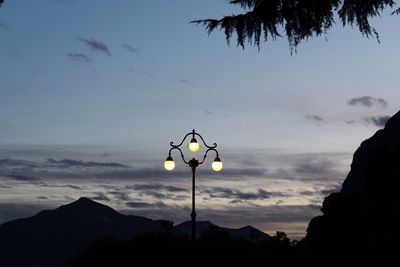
298	20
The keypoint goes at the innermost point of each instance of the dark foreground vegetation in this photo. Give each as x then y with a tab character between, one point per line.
214	249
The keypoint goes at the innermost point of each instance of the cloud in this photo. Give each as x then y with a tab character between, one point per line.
70	169
67	2
131	49
271	213
65	170
79	57
331	189
120	195
16	163
95	45
141	72
314	118
4	26
311	167
169	188
12	211
72	186
19	177
239	172
44	184
306	167
212	113
159	191
100	196
368	101
185	81
144	205
225	192
156	173
12	53
378	121
18	170
66	163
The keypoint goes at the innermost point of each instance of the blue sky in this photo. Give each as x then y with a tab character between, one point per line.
157	77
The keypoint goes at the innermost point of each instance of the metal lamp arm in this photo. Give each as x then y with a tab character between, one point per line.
183	140
204	142
193	133
205	155
177	148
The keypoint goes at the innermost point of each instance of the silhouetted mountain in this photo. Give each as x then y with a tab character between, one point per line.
362	220
204	228
53	237
376	162
249	233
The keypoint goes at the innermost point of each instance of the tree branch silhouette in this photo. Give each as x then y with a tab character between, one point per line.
298	19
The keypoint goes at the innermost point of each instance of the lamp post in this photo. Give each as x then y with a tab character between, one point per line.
193	146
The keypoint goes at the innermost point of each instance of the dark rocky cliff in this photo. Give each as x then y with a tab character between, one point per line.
362	221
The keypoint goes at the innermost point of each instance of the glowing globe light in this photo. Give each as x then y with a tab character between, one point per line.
194	146
217	165
169	164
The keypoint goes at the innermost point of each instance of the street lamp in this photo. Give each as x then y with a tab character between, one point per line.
193	146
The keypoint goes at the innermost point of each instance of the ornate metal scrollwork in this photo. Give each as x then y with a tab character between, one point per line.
193	133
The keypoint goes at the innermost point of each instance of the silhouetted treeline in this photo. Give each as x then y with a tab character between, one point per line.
355	229
341	237
213	249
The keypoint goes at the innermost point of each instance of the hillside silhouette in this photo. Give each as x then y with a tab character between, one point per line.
361	222
204	228
56	237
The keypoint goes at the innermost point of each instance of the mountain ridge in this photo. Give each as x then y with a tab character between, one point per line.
64	232
247	232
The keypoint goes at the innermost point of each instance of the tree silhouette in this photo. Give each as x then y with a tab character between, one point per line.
213	249
298	19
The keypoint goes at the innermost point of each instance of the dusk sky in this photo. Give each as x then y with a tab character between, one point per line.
92	93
